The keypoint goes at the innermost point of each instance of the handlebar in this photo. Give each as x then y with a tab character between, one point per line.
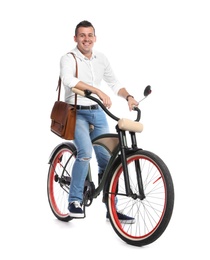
87	93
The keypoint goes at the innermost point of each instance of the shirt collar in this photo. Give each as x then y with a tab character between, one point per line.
79	55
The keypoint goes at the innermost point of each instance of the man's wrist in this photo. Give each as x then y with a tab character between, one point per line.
128	97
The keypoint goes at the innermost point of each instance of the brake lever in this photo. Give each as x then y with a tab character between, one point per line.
135	108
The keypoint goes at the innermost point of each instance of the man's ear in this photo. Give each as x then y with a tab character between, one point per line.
75	38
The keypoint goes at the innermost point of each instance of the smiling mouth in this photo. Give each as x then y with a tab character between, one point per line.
86	44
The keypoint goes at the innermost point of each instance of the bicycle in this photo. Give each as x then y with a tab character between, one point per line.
139	179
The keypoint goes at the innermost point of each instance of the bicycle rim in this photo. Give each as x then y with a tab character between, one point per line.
59	177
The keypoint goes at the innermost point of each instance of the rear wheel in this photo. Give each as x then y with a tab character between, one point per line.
152	213
59	178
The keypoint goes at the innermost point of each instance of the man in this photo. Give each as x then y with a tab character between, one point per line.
93	67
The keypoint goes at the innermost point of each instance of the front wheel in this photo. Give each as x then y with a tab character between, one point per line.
152	212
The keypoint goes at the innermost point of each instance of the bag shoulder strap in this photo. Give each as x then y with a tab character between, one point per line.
59	80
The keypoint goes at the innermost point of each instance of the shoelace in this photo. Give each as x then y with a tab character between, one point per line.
77	204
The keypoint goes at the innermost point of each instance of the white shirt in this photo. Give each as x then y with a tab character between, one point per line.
91	71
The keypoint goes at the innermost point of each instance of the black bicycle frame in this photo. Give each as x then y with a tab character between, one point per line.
124	150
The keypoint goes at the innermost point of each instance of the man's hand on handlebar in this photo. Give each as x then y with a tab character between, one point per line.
132	103
105	99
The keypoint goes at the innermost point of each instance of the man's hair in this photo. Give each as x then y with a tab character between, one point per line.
84	23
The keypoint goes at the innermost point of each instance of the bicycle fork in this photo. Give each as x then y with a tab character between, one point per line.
123	149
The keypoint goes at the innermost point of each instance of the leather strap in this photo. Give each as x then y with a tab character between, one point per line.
59	81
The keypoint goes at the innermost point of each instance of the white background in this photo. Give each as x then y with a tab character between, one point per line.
161	43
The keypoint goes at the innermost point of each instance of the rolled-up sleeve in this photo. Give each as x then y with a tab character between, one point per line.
68	70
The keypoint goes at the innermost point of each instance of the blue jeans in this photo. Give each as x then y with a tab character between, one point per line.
83	138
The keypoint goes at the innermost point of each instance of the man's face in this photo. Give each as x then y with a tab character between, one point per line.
85	39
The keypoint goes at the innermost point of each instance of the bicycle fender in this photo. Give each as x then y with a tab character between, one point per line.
59	146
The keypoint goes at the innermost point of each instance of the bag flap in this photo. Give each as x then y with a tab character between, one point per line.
59	112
